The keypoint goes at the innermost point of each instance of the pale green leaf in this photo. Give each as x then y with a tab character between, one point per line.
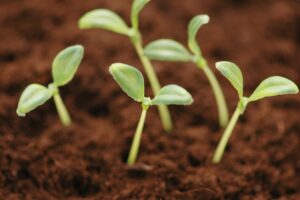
66	64
233	73
167	50
193	29
129	79
33	96
137	6
172	95
104	19
274	86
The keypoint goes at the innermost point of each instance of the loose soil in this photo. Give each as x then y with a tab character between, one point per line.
41	160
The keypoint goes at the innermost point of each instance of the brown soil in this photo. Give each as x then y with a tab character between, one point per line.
39	159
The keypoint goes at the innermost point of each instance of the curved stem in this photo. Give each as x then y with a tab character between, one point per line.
137	139
219	96
163	109
61	109
225	137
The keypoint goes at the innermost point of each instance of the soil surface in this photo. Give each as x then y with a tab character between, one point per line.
41	160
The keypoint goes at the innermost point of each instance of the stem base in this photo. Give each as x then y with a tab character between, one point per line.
137	139
225	137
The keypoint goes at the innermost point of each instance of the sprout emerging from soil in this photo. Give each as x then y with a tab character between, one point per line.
109	20
64	68
170	50
272	86
132	83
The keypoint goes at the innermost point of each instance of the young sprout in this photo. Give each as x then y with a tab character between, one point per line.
64	68
109	20
132	83
170	50
272	86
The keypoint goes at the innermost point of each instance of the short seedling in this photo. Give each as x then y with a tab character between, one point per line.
272	86
132	83
64	68
109	20
170	50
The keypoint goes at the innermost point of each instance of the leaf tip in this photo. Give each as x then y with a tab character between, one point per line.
114	67
78	49
82	22
20	114
220	64
295	87
205	18
191	100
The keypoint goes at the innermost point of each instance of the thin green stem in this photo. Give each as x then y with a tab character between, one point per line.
163	109
137	139
219	96
61	109
225	137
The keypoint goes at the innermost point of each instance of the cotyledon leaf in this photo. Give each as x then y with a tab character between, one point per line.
167	50
172	95
193	28
104	19
33	96
66	64
233	73
274	86
129	79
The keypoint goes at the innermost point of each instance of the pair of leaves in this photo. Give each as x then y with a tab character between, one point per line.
132	83
170	50
111	21
64	68
272	86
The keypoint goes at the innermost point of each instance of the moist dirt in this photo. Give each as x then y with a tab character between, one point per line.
41	160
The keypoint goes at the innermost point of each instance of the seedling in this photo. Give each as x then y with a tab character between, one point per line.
109	20
64	68
272	86
170	50
132	83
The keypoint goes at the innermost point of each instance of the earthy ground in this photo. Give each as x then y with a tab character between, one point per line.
41	160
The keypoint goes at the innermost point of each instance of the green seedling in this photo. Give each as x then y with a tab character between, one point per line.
272	86
132	83
64	68
109	20
170	50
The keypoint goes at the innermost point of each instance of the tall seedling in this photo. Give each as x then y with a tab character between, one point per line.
272	86
64	68
170	50
132	83
109	20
